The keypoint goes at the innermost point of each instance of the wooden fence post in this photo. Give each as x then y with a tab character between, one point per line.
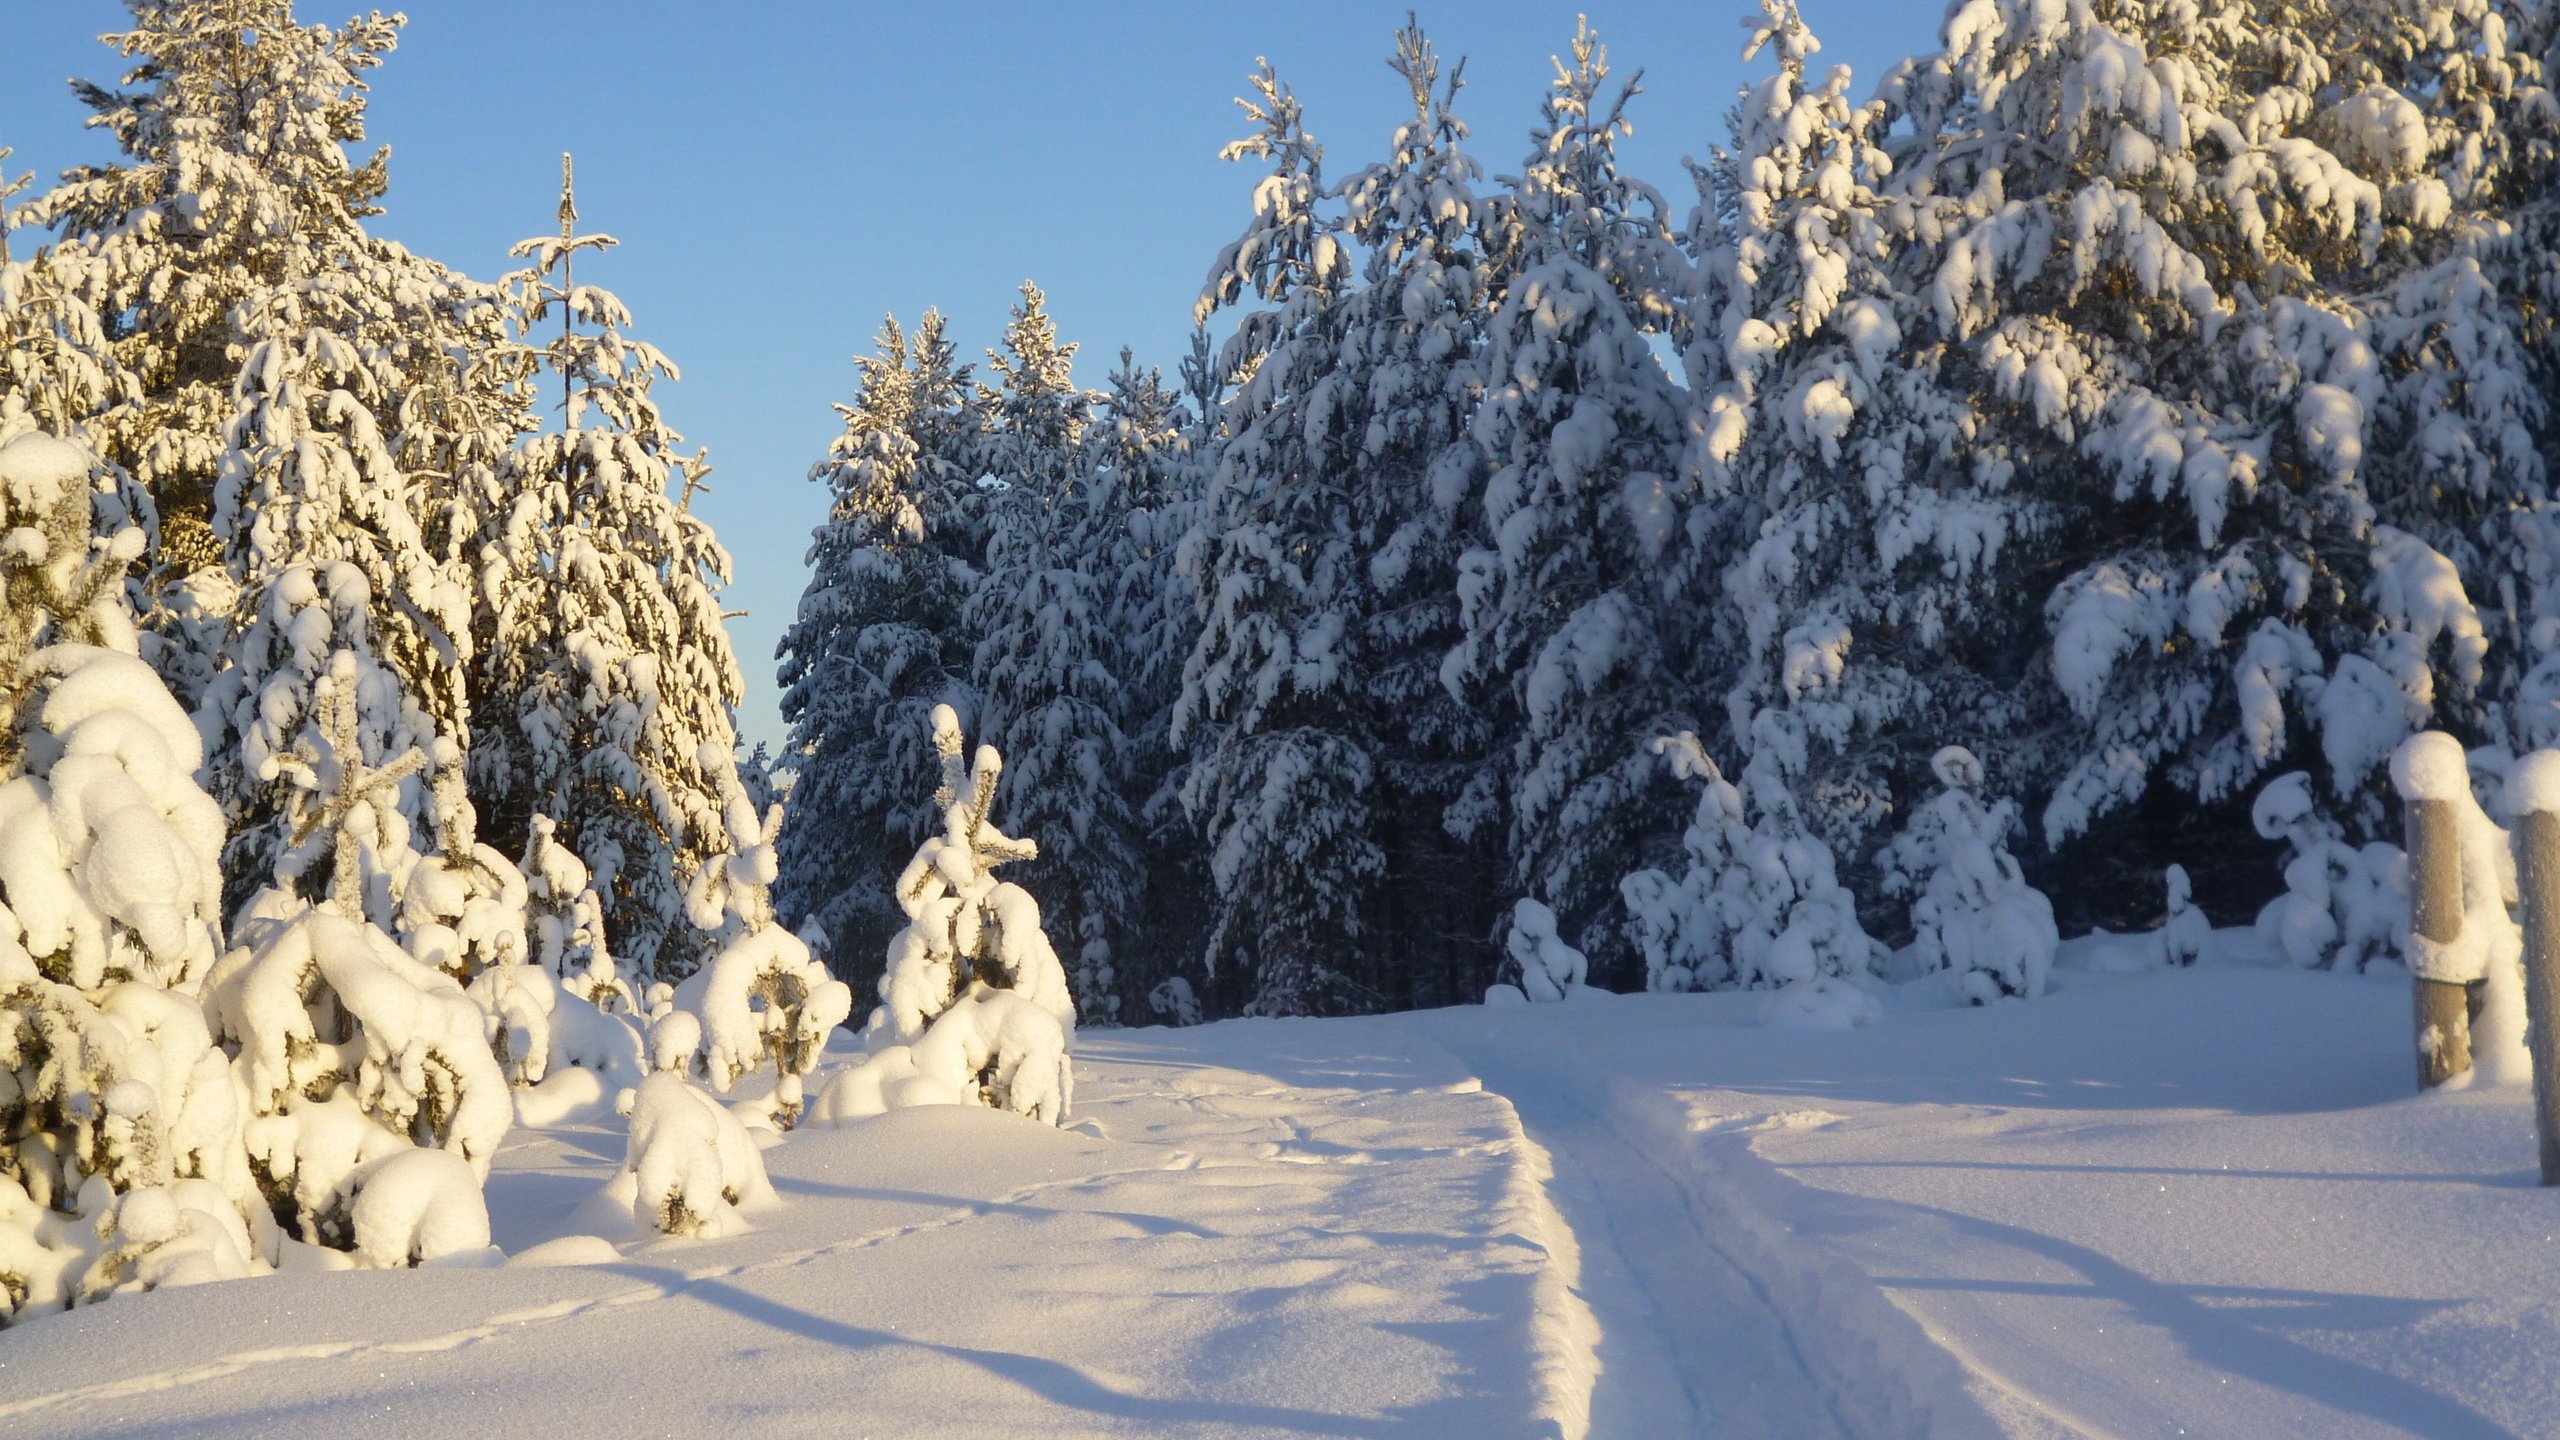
2533	800
2442	1004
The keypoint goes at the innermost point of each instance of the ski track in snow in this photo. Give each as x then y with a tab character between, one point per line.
1715	1327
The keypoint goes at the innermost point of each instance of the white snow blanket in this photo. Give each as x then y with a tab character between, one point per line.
2200	1201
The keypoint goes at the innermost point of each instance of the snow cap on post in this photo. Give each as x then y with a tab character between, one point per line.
2430	766
2533	786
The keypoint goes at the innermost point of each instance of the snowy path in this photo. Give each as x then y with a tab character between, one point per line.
1704	1331
2198	1203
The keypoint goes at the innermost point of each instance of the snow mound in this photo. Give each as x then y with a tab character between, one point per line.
691	1168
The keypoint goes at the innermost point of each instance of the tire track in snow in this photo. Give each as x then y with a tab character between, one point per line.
517	1321
1770	1337
1697	1343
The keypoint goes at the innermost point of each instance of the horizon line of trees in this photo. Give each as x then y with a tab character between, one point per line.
2150	399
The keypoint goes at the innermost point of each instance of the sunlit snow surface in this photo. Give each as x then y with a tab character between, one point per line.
2200	1200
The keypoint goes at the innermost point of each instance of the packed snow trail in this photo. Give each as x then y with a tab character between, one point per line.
1704	1333
2191	1202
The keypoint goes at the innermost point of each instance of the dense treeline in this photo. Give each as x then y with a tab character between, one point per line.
2150	398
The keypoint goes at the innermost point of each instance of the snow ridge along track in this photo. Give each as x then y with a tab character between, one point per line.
1715	1319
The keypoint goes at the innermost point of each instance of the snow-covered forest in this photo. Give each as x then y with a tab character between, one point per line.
1991	538
2150	400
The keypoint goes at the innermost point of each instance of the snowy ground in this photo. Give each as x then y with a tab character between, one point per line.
2199	1202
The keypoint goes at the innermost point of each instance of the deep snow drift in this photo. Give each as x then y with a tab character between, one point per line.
2199	1201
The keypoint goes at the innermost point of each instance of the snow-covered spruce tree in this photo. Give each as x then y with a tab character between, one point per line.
124	1167
1972	912
1834	510
1758	904
233	224
2449	106
1049	663
1169	975
606	676
2144	235
1415	349
974	1008
234	180
1143	475
1281	785
309	490
57	365
377	1103
312	633
760	997
1564	608
878	641
10	190
74	528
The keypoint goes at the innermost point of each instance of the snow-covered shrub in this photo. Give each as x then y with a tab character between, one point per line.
1759	906
975	1007
351	1051
413	1206
464	910
762	998
1174	1002
691	1165
596	1054
565	919
123	1164
2184	932
1975	914
1549	969
2343	907
1832	1002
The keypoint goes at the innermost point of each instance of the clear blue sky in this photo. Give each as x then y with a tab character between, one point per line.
783	173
